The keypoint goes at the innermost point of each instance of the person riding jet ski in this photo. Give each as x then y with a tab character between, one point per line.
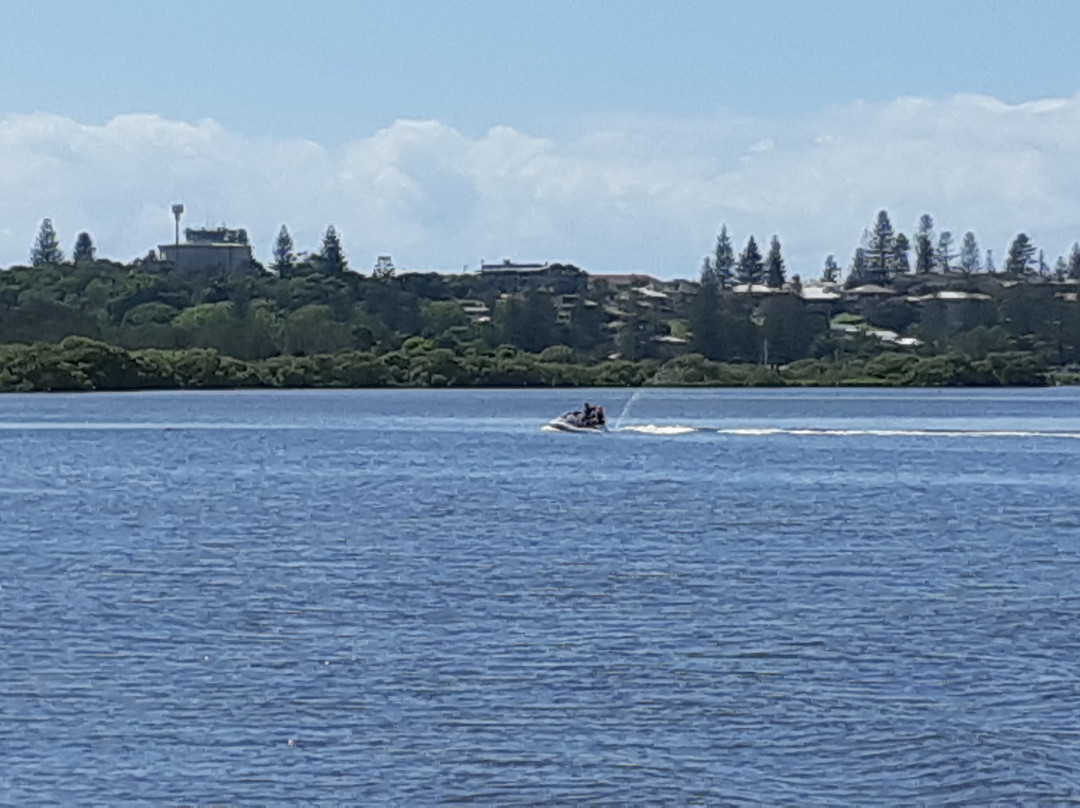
593	416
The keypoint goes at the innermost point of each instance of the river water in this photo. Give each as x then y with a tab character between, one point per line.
738	597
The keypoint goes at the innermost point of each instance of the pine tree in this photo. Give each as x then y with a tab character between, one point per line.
84	248
1044	268
831	272
899	262
47	246
284	257
1021	255
1061	268
724	257
880	249
331	254
924	250
774	265
858	265
708	276
751	265
944	255
969	254
1074	261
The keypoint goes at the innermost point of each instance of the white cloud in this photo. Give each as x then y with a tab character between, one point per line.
625	194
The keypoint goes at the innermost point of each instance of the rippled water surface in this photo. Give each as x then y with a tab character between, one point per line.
421	597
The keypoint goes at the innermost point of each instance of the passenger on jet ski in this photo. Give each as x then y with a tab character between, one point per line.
588	418
593	416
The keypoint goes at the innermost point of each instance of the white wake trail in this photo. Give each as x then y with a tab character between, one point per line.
668	430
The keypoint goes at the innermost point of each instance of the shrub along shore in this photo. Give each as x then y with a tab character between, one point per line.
81	364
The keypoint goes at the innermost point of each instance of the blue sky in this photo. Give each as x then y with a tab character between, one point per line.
614	134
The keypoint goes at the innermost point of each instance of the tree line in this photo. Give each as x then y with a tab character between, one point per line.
331	255
884	253
80	364
309	320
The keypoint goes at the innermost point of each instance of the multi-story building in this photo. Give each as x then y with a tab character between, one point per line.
217	249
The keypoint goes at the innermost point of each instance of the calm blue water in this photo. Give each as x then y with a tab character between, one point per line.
421	597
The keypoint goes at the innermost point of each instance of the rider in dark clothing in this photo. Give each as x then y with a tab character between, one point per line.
592	416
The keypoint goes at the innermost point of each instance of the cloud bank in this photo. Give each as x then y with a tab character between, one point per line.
623	194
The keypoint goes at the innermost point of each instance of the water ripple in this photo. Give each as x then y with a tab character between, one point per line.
503	616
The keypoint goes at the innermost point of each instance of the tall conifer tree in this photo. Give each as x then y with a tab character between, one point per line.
708	273
969	254
1021	255
284	257
724	257
84	248
881	247
47	246
774	265
924	248
858	265
944	255
899	262
331	254
751	265
831	272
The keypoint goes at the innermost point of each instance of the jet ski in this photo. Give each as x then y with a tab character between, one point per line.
588	419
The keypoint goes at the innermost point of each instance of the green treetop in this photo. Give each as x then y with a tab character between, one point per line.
899	260
724	257
1021	255
774	265
924	249
84	248
707	276
881	246
969	254
831	272
944	254
332	255
751	265
858	264
47	246
284	257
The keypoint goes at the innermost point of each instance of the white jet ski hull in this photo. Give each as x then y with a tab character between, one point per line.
563	425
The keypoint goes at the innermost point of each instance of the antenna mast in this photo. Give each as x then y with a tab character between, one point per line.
177	212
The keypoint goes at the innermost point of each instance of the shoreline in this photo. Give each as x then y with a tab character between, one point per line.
79	364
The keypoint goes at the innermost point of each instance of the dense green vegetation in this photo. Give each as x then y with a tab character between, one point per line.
77	363
91	324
